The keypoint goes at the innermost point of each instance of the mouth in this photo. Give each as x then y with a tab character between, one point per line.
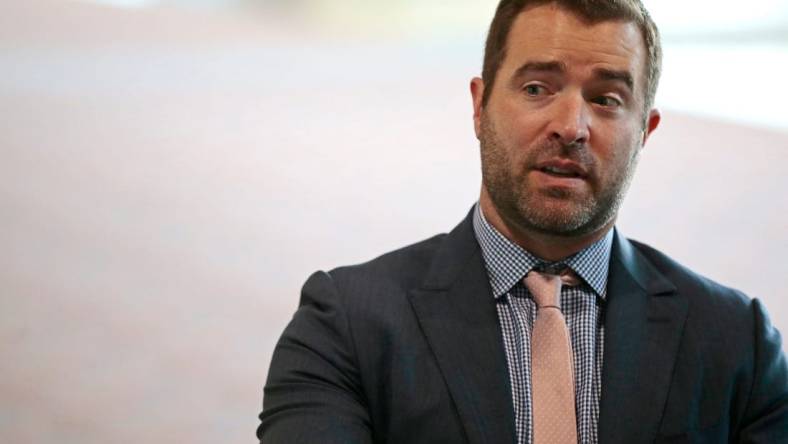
562	169
561	172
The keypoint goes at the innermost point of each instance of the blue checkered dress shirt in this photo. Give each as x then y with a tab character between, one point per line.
507	264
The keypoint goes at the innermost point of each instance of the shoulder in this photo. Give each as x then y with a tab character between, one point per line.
704	294
381	278
402	268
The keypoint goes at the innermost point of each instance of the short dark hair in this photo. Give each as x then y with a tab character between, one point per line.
592	11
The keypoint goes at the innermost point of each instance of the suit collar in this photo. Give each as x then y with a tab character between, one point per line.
644	322
452	256
459	319
632	262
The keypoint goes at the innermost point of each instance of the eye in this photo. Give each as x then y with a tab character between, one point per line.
534	90
607	101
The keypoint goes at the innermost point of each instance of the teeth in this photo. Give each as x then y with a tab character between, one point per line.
560	171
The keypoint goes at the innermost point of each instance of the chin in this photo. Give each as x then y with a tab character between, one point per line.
564	219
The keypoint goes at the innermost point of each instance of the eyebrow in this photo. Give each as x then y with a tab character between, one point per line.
533	67
618	76
557	67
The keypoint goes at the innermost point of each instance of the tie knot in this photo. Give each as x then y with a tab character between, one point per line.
545	287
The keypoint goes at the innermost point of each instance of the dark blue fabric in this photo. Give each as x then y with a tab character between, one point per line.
407	349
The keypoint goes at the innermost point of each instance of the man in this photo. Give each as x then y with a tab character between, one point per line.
456	339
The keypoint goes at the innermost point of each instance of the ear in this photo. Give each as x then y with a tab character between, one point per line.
652	123
477	93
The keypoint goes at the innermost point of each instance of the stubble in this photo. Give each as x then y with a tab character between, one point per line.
552	211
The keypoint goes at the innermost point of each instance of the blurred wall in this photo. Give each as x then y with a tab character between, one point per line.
170	176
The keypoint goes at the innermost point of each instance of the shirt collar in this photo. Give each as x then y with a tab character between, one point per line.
507	263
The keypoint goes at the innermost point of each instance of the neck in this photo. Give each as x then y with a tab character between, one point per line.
545	246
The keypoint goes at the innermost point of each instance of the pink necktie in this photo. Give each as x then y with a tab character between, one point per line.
552	375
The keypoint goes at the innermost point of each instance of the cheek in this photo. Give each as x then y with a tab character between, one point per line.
522	139
518	123
527	124
617	160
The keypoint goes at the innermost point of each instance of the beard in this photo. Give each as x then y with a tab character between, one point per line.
553	211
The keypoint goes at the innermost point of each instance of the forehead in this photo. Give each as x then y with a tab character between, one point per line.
551	33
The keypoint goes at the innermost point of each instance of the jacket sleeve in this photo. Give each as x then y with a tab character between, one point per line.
766	416
313	392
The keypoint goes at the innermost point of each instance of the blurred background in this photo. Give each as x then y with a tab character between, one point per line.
172	171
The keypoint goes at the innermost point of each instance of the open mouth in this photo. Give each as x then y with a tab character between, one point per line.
560	172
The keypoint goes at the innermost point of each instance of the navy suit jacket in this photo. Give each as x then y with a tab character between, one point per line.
407	349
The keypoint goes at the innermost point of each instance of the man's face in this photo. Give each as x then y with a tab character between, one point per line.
564	124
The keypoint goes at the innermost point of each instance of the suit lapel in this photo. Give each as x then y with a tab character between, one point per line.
457	313
644	321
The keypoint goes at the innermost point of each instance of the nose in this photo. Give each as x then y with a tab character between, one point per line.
571	120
